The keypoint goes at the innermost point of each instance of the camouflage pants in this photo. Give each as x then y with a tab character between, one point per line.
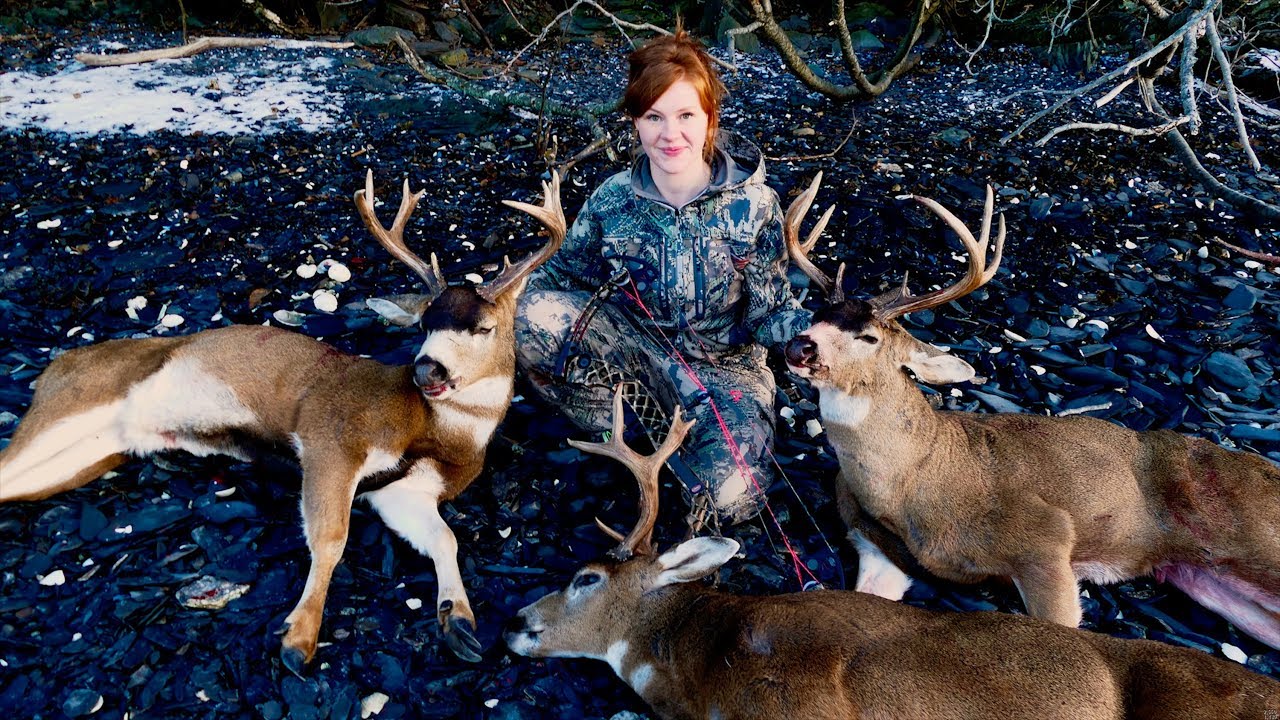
614	347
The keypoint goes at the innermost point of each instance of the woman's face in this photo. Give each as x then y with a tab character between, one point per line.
674	131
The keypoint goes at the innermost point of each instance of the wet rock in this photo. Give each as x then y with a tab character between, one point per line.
1229	370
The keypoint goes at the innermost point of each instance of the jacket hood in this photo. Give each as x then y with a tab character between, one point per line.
736	162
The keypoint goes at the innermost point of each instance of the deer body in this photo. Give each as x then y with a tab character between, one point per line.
1042	501
694	652
405	438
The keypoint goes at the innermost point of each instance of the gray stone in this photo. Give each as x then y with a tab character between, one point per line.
1229	370
1242	297
403	17
865	40
380	36
953	136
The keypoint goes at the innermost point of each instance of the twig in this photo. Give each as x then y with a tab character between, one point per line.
183	10
198	46
471	17
821	156
1243	99
1273	260
589	113
600	143
1126	129
515	19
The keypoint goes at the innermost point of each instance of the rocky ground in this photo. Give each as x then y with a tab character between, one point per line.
1113	301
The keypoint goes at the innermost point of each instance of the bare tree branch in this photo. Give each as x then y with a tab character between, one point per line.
1235	197
1126	129
1273	260
1215	42
198	46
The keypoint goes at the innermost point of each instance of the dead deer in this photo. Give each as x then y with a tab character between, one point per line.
693	652
404	438
1045	502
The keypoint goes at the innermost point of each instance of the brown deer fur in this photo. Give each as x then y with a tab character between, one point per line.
693	652
405	438
1043	501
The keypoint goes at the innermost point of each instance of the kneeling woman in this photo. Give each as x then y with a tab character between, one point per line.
672	281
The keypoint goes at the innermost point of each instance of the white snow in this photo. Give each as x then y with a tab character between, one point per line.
277	93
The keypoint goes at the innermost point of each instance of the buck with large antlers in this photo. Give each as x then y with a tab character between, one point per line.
693	652
1043	501
404	438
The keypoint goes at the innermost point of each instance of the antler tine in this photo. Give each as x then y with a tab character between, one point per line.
799	251
897	303
645	468
551	215
393	239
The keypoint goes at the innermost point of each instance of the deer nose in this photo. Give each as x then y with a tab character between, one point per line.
428	373
516	624
800	350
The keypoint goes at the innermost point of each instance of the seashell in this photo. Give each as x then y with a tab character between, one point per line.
325	301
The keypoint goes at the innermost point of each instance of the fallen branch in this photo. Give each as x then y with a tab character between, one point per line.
820	156
1233	196
1117	127
1272	260
1163	45
1215	42
588	113
198	46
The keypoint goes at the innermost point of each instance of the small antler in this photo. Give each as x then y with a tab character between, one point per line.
645	468
550	215
900	301
393	239
799	251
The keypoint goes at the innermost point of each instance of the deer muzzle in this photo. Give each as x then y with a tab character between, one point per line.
431	377
801	354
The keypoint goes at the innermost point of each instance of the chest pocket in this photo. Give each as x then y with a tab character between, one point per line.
727	256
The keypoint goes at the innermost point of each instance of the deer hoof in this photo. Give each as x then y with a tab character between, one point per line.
459	633
293	660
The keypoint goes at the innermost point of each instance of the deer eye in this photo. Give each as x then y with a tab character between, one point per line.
869	339
586	580
482	330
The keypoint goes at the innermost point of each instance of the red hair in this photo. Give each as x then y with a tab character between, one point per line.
665	60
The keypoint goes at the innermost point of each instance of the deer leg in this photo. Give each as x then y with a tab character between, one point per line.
63	454
1254	611
328	488
411	507
1041	537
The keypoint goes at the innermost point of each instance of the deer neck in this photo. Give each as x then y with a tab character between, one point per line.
881	431
662	646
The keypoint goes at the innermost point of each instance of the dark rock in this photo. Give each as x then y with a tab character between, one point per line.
1229	370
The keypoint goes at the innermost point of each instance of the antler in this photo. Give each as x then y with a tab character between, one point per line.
550	215
393	239
900	301
799	251
645	467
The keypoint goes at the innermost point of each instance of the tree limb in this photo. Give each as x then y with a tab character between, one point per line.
1233	196
588	113
1126	129
196	47
1273	260
1215	42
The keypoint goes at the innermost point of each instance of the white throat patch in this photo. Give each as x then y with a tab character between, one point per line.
840	408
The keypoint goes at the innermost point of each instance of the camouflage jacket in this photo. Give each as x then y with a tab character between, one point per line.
712	273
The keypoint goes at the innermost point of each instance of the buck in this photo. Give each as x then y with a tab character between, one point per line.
404	438
691	651
1043	501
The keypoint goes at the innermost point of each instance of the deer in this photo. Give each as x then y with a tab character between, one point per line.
1045	502
404	438
692	651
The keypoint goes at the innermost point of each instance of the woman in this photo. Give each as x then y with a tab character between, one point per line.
672	281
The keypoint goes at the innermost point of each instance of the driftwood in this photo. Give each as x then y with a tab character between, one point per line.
198	46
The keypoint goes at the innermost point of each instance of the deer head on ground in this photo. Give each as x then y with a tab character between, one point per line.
691	651
1042	501
405	438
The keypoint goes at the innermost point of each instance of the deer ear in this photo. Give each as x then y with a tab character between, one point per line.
937	367
694	559
403	310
